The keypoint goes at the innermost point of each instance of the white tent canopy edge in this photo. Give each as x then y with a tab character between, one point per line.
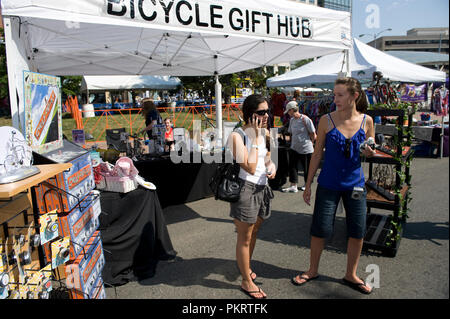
100	37
363	61
128	82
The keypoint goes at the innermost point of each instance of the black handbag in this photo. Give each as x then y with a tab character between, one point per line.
225	183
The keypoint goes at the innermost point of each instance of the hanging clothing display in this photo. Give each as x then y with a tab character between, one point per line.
315	107
439	101
278	102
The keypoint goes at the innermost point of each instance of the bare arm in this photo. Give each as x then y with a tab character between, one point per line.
270	166
147	128
370	132
313	136
316	157
247	160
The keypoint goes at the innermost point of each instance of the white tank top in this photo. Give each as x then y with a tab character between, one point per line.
260	176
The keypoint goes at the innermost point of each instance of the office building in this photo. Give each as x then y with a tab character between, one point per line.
340	5
313	2
417	39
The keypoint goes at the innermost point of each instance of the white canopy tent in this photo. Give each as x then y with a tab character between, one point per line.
129	82
364	60
180	38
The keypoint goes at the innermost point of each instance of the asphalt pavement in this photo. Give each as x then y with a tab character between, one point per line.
204	236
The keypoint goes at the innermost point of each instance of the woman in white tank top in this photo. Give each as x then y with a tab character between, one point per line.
255	199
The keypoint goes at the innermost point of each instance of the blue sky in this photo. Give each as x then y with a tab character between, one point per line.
400	15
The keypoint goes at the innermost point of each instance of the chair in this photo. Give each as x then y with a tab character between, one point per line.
115	139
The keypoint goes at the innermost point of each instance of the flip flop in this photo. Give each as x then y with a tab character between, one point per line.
249	293
295	282
357	286
253	278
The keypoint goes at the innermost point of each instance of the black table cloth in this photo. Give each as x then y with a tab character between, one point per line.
177	183
134	235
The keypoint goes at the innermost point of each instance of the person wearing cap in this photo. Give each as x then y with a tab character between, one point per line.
303	135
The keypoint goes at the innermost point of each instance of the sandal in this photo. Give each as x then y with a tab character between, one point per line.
295	282
357	286
249	293
253	277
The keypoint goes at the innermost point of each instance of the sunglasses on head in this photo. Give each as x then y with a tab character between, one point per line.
262	112
348	143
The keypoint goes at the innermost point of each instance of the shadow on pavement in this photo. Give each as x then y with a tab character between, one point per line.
427	231
179	213
210	272
290	228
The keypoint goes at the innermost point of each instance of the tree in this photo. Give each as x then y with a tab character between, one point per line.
302	62
71	85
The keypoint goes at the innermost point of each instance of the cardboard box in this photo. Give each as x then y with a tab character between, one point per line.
71	185
79	224
87	267
98	291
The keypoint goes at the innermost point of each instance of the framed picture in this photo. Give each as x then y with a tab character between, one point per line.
78	137
42	111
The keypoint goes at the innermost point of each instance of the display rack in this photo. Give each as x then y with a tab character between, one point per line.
384	231
31	263
21	250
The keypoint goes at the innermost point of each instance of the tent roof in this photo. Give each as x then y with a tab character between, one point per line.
364	60
102	37
124	82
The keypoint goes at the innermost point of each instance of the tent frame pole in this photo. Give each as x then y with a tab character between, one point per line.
218	95
11	67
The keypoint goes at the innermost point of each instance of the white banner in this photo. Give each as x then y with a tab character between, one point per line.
213	15
287	20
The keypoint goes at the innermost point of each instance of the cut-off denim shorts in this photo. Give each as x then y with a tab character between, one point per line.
324	214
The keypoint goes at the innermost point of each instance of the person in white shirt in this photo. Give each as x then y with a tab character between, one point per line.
303	135
249	148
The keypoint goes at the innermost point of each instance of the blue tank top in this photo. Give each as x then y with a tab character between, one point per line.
339	172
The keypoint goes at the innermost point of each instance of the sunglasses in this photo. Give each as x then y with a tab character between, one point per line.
262	112
348	143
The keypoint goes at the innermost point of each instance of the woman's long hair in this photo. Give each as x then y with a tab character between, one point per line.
251	104
147	106
353	86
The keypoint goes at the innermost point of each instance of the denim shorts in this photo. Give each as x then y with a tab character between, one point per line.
325	206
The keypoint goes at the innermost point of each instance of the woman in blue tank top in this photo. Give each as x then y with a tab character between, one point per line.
340	133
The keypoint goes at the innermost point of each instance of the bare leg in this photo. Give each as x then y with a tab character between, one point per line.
244	234
256	227
317	245
354	247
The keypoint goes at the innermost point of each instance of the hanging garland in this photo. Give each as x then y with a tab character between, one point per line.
394	234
